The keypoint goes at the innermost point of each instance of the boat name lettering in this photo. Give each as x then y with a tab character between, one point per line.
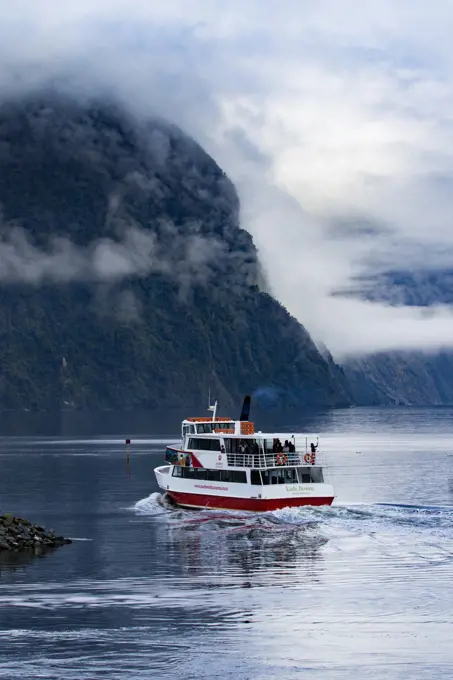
298	488
211	486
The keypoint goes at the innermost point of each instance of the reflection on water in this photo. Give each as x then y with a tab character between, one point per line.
359	589
236	543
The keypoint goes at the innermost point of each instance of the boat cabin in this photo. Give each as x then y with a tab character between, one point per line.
243	446
211	447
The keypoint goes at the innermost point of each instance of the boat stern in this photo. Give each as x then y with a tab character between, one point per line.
299	494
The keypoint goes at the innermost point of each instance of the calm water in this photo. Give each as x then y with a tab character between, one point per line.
359	590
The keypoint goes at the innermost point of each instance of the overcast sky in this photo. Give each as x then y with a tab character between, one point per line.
333	118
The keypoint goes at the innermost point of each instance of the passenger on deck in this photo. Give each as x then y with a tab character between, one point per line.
292	448
313	447
286	447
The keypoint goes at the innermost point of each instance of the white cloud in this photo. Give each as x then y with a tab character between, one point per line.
323	114
190	258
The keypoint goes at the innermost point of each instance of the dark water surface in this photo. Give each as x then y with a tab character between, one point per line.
359	590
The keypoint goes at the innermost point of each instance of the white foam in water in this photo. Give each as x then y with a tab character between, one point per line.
417	534
151	505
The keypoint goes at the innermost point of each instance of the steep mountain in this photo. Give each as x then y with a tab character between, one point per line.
410	378
125	278
405	377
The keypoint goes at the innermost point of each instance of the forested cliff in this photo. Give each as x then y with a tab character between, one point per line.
125	278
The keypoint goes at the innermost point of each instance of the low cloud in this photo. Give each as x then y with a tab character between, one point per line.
323	114
188	261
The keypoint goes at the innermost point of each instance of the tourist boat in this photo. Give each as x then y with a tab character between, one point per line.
224	464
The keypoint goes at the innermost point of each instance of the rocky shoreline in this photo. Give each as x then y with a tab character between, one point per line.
17	534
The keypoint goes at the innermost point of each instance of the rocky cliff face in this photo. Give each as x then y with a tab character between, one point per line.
405	377
125	278
409	378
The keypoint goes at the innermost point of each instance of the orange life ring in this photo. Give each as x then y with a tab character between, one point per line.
310	458
280	459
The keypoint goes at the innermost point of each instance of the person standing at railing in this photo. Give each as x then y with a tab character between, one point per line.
277	448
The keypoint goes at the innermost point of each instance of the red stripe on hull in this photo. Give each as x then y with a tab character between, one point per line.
195	500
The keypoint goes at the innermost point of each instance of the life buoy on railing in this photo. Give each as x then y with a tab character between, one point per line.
280	459
310	458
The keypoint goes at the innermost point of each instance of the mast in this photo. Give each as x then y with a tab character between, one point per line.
212	407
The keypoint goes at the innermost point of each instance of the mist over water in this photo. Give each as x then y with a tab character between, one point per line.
358	589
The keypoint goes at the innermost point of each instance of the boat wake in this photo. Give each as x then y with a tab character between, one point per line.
157	505
385	513
420	531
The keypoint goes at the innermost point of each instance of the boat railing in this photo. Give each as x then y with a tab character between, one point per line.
271	460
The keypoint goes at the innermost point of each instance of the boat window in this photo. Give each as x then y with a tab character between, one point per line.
231	445
213	475
189	473
305	476
236	476
255	477
206	428
290	476
247	446
204	444
316	475
265	476
188	429
277	476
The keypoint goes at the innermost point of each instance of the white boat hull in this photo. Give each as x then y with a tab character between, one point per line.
193	493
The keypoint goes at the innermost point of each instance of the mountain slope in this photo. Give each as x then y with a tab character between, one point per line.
125	278
405	377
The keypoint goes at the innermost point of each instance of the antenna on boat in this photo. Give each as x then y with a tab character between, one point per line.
245	408
212	407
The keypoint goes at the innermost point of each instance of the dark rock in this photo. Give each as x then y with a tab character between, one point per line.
17	534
